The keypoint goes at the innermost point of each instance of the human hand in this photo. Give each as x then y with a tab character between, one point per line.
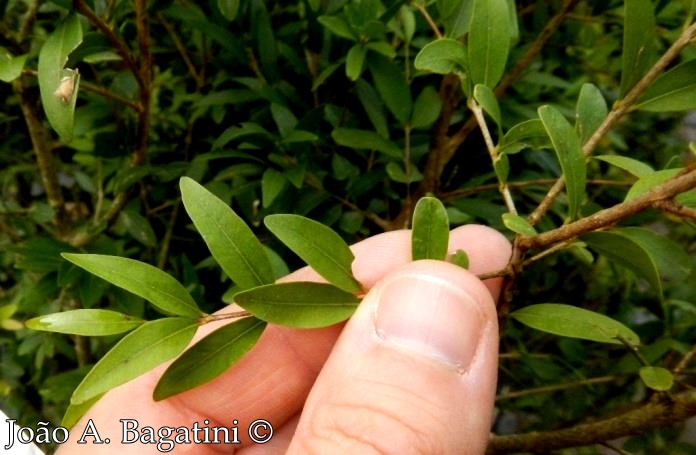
413	371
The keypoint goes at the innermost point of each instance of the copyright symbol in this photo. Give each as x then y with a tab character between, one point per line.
260	431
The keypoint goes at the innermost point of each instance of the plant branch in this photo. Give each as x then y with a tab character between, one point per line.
463	192
684	181
99	90
429	20
493	152
555	388
621	108
659	412
181	49
48	167
121	49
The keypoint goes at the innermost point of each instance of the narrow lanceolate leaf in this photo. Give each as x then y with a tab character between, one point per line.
489	41
11	67
144	280
58	86
673	91
319	246
518	225
391	85
85	322
574	322
657	378
569	151
302	305
430	230
146	347
627	252
229	239
590	111
75	411
487	100
365	139
210	357
527	134
442	56
635	167
638	42
671	259
649	181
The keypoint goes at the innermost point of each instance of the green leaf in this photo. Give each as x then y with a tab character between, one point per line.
228	8
430	230
638	42
85	322
574	322
675	90
302	305
338	27
396	172
527	134
657	378
59	86
633	166
650	181
518	225
272	184
489	41
144	280
231	242
318	245
671	259
501	166
354	61
391	85
373	107
590	112
455	16
149	345
427	108
11	67
442	56
138	227
627	252
569	151
460	258
75	411
485	97
210	357
364	139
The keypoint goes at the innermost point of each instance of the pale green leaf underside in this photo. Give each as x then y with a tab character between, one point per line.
518	225
574	322
143	280
442	56
657	378
85	322
54	54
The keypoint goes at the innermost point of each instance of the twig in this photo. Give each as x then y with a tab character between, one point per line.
429	20
181	49
48	168
659	412
28	21
620	109
665	191
555	388
492	151
676	209
463	192
89	87
121	49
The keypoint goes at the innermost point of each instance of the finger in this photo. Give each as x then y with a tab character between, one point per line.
272	381
414	370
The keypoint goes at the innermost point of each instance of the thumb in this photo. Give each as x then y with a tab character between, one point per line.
414	370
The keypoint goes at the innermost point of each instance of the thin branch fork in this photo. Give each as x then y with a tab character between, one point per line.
656	197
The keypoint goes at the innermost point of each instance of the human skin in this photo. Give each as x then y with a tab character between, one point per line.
413	371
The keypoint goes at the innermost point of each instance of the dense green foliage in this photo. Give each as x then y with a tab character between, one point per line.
555	122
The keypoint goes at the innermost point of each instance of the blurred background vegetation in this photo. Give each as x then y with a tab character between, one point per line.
314	107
